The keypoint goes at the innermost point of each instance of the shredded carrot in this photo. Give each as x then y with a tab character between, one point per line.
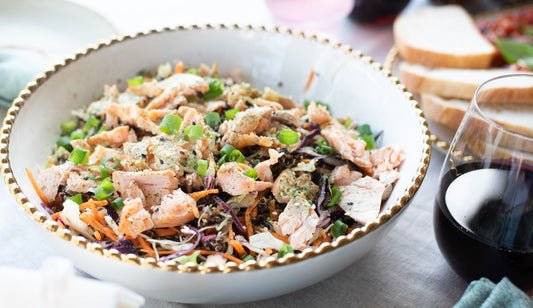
146	247
209	252
93	222
159	252
231	235
62	225
269	250
179	68
97	235
166	231
96	203
55	216
310	80
200	194
238	247
280	237
99	216
36	187
248	220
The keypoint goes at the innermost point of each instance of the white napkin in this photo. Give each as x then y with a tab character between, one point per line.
56	286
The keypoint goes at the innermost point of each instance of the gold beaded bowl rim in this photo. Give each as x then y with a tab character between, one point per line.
230	266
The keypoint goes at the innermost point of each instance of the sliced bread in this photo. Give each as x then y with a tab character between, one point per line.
446	82
515	117
444	36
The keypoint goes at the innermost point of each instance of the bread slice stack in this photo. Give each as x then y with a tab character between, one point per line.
445	58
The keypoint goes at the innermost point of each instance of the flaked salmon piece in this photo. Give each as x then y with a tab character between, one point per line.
230	178
386	159
214	106
288	184
114	138
150	88
50	179
176	209
79	183
263	168
134	192
154	184
130	115
342	175
349	148
266	103
274	96
190	116
134	219
256	119
290	117
185	84
361	200
111	93
101	152
157	115
298	220
238	94
80	143
318	114
193	181
241	141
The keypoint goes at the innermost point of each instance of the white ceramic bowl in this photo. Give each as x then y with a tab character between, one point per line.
352	84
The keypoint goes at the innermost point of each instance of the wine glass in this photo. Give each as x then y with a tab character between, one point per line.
483	215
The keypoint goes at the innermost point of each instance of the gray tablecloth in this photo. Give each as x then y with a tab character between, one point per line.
405	269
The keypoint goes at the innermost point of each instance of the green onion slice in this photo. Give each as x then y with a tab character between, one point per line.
237	156
370	141
230	113
364	129
91	122
64	142
215	88
251	173
347	123
114	158
212	119
202	167
104	190
223	160
193	71
339	228
68	127
335	196
248	258
171	124
77	134
76	198
117	204
194	131
79	156
285	249
227	149
104	173
135	81
324	149
288	137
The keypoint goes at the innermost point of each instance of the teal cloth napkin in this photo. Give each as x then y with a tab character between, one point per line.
485	294
17	68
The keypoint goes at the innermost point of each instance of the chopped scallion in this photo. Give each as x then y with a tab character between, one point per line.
68	127
135	81
248	258
79	156
117	204
104	173
215	88
231	113
104	190
339	228
64	142
251	173
227	149
237	156
324	149
91	122
285	249
347	123
76	198
193	71
364	129
202	167
114	165
370	142
212	119
288	137
170	124
335	196
77	134
194	131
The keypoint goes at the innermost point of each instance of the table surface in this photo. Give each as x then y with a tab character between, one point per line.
405	269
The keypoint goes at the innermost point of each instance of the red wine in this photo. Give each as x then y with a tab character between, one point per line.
483	221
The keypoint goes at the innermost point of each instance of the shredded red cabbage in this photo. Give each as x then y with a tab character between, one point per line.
210	182
307	138
226	208
112	213
185	251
